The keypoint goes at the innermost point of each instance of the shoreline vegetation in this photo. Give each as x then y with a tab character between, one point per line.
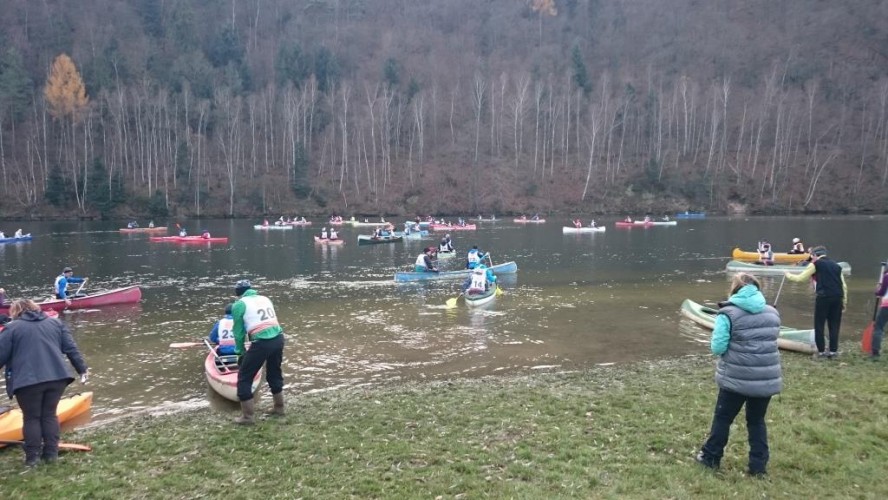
628	431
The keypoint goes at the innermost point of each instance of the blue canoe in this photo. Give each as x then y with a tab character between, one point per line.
26	237
406	276
412	235
690	215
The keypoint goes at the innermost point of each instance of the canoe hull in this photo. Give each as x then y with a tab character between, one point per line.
480	299
528	221
128	230
736	266
187	239
271	227
573	230
328	241
789	339
126	295
445	227
364	239
691	215
69	408
779	258
26	237
408	276
632	224
225	382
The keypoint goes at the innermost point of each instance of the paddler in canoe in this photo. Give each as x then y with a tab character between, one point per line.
424	262
60	287
205	234
474	257
222	334
797	246
480	281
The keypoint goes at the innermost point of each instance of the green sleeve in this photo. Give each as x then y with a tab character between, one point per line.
237	312
802	276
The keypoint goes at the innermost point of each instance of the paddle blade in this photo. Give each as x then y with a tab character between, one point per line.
62	446
180	345
451	303
866	340
499	291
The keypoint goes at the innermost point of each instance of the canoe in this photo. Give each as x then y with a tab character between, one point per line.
453	227
407	276
25	237
328	241
125	295
656	223
161	229
736	266
222	375
187	239
370	224
477	300
690	215
69	408
412	235
790	339
491	219
569	230
271	226
528	221
292	224
784	258
444	255
622	223
365	239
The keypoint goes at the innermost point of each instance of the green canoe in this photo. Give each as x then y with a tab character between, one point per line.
736	266
790	339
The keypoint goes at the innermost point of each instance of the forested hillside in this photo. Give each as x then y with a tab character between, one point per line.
223	107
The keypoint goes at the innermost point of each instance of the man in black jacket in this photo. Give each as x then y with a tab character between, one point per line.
830	301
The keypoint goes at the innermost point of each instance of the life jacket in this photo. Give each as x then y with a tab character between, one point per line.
420	261
226	331
799	247
479	283
333	234
323	235
472	257
259	314
57	287
443	247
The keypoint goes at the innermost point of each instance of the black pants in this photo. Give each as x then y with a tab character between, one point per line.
269	352
726	409
39	403
827	310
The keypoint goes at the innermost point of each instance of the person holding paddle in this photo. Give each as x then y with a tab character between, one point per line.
60	287
256	321
830	301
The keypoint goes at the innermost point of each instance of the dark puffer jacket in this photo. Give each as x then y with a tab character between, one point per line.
33	349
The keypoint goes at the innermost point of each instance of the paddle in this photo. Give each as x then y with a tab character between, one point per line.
866	340
62	446
780	289
451	303
216	355
81	286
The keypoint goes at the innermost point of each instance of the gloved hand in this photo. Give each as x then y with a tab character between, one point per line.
84	377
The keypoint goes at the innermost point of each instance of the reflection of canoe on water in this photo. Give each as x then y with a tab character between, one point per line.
125	295
222	375
781	258
405	276
790	339
188	239
736	266
70	407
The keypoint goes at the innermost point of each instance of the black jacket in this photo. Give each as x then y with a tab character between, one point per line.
33	349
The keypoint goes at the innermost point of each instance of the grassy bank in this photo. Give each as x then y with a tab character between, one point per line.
628	432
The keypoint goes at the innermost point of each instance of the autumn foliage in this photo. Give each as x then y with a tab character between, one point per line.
65	92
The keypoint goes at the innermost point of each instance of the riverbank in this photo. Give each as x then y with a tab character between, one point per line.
627	431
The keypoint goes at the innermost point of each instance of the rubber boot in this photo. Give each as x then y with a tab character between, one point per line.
278	408
247	410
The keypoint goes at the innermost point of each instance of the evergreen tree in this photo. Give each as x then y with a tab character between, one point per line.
56	193
157	207
103	195
15	85
581	76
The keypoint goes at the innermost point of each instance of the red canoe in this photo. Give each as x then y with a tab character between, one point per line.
125	295
188	239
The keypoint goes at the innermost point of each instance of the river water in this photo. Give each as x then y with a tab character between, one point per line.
576	301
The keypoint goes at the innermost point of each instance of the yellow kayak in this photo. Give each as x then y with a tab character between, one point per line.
781	258
70	407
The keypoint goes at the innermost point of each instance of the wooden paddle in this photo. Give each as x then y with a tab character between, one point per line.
866	339
62	446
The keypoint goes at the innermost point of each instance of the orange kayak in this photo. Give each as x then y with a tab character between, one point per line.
779	258
70	407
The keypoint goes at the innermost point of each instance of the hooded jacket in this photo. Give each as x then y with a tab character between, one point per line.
33	349
745	336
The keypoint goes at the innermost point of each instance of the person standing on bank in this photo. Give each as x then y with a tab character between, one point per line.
748	371
33	348
831	297
255	320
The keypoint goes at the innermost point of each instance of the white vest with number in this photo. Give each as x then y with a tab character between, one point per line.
479	282
226	331
259	314
472	257
420	260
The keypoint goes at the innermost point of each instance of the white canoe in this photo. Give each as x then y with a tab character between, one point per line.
597	229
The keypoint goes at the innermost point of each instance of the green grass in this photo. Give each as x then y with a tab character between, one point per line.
625	432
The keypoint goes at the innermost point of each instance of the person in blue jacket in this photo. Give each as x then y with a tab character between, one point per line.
748	371
60	287
222	334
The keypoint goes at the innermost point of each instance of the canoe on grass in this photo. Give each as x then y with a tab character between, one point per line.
187	239
328	241
570	230
736	266
24	237
70	407
364	239
789	339
406	276
781	258
221	374
480	299
161	229
125	295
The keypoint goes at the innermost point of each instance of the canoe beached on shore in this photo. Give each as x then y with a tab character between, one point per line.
69	407
221	374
